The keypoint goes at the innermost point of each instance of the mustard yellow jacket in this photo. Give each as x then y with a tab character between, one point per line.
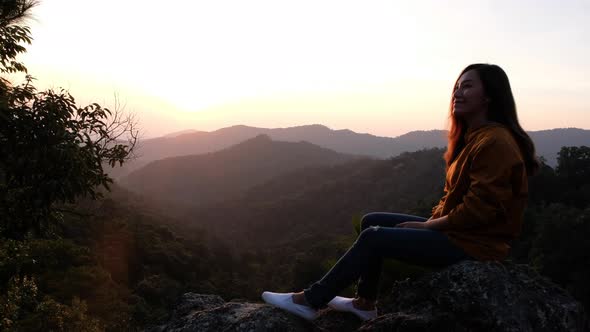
486	191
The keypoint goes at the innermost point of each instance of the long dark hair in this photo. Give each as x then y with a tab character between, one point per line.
501	109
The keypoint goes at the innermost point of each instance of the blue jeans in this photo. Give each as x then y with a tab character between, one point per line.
378	240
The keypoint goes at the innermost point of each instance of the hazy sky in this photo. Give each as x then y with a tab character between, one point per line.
381	67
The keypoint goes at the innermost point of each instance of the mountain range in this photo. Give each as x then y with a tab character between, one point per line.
191	142
197	180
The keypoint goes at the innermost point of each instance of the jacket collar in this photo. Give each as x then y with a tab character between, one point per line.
471	133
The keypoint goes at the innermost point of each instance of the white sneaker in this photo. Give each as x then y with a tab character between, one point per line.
340	303
285	302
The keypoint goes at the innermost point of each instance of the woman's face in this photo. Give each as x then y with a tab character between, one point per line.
469	97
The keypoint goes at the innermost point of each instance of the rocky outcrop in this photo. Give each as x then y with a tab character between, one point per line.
474	296
470	296
209	313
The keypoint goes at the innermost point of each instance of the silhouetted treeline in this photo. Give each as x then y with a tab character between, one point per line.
557	223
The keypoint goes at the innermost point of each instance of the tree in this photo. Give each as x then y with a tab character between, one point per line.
51	150
574	164
12	35
573	171
561	250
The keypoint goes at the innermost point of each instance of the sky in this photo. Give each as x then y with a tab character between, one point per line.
378	67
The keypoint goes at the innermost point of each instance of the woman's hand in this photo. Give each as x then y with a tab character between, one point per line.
413	224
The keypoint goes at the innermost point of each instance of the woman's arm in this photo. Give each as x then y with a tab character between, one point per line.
497	179
437	224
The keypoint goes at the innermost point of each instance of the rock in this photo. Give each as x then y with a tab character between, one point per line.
479	296
230	316
191	302
469	296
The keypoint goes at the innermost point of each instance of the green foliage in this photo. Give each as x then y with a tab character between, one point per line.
140	266
22	310
561	249
20	298
574	163
38	256
14	11
54	316
157	293
51	151
64	272
574	171
356	223
546	186
12	38
557	223
158	289
10	47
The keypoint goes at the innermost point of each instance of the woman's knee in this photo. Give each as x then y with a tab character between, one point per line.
369	219
367	236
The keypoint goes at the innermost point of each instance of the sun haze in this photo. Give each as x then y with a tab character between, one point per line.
381	67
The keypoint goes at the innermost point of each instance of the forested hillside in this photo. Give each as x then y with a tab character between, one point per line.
320	202
198	180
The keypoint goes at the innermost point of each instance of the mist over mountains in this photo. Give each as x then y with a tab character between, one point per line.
196	180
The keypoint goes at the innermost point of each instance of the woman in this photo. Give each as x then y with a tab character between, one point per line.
488	159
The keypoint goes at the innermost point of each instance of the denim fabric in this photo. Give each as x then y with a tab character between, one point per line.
378	240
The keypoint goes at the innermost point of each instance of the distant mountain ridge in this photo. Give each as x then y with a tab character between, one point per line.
343	141
203	179
548	142
182	132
